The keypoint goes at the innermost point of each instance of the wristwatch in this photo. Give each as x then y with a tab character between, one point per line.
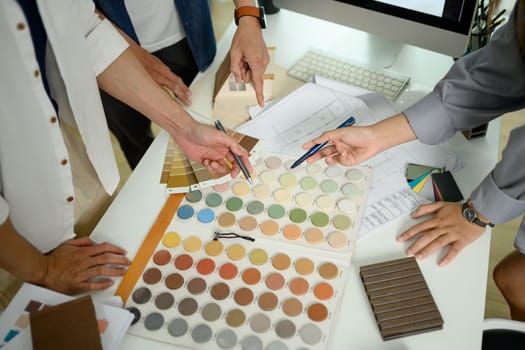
257	12
469	213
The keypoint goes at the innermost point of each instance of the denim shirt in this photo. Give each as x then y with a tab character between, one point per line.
196	21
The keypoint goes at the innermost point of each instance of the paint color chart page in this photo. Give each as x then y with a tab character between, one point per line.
259	266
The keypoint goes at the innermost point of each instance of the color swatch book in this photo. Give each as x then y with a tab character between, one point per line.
181	174
15	331
252	267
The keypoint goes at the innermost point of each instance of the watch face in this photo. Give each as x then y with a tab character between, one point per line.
469	214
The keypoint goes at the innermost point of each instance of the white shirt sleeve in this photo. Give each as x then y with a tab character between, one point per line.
105	45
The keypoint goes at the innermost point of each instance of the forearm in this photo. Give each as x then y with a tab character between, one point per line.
393	131
127	80
19	257
239	3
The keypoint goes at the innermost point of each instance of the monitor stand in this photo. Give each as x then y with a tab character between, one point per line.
382	52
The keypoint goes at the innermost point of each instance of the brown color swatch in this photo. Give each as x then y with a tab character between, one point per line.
400	298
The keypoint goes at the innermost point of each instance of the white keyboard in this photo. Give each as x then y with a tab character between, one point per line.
381	81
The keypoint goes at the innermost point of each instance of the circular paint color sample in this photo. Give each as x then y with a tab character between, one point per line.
317	312
211	312
281	195
226	220
214	248
319	219
193	196
323	291
281	261
174	281
213	200
221	187
162	257
273	162
241	188
255	207
226	339
276	345
325	202
304	200
355	175
304	266
192	244
251	276
308	183
153	321
141	295
276	211
164	301
248	223
171	239
228	271
288	166
342	222
220	291
177	328
260	323
267	177
258	257
136	314
183	262
328	271
292	232
287	180
185	212
267	301
206	215
269	228
274	281
236	252
243	296
329	186
292	307
152	275
333	171
196	286
251	342
346	206
297	215
313	169
310	334
351	190
261	191
201	334
187	306
314	236
234	204
285	329
235	318
205	266
299	286
336	239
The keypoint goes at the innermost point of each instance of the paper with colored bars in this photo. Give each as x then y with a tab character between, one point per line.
181	174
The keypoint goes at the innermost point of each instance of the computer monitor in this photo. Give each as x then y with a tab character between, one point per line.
438	25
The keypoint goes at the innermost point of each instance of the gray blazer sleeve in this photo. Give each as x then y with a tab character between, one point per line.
480	87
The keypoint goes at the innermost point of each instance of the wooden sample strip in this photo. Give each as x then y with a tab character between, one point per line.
400	298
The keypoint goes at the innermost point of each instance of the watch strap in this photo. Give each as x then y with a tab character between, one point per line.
475	220
253	11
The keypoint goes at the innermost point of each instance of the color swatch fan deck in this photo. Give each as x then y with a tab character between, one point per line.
259	266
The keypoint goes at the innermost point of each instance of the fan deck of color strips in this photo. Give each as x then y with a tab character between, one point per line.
400	298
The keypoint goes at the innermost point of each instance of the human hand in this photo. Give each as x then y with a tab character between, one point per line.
211	147
162	75
446	227
80	265
249	55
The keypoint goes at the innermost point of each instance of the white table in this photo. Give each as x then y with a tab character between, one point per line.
458	289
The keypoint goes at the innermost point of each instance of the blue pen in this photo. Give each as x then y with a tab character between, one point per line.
318	146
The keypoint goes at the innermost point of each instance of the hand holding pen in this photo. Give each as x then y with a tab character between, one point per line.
237	159
315	148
